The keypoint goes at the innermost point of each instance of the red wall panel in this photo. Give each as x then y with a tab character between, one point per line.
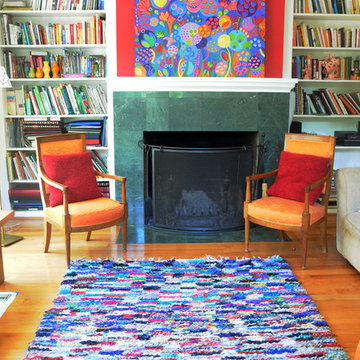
125	37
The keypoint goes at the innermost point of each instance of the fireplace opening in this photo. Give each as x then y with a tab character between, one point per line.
196	180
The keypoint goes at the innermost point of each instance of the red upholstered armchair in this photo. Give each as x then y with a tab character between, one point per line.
303	177
71	198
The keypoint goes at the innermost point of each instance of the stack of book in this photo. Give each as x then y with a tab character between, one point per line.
21	165
104	188
25	197
15	5
33	128
92	128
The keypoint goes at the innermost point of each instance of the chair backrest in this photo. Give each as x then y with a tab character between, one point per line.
309	144
60	144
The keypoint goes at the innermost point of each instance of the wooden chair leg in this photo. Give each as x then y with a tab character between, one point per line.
67	248
47	236
124	234
247	234
88	236
282	235
304	248
323	236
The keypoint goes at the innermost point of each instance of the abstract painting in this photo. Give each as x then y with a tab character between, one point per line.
200	38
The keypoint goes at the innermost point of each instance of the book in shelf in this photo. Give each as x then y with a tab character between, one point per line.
326	102
349	68
316	36
29	33
327	6
64	99
21	165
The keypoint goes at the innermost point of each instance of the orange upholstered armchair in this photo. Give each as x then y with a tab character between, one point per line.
71	198
298	199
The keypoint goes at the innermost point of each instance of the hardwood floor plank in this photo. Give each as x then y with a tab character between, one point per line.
329	279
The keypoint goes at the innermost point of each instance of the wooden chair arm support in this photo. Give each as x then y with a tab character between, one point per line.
319	182
53	183
256	177
109	176
61	187
261	176
115	177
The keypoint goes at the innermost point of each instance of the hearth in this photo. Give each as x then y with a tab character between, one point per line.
196	180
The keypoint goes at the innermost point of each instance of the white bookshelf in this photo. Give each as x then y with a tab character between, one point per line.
45	17
345	156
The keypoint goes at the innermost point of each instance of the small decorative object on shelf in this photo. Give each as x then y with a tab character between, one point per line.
55	69
331	67
307	71
46	69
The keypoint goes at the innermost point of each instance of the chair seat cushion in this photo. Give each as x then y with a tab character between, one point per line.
283	211
88	212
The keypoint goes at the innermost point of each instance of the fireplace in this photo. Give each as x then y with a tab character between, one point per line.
218	112
196	180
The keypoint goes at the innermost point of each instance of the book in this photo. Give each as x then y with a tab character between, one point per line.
11	102
19	98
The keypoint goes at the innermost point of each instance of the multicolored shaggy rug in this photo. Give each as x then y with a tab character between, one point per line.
183	309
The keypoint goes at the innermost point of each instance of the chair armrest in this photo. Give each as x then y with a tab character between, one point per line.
256	177
53	183
109	176
262	176
115	177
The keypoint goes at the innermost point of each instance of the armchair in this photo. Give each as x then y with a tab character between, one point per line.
304	174
70	196
348	214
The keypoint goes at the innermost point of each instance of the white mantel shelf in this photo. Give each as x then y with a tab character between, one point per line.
259	85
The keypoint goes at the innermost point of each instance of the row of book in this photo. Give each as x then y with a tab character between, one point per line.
22	165
305	64
25	197
82	32
48	5
71	64
327	6
22	133
64	99
316	36
68	4
326	102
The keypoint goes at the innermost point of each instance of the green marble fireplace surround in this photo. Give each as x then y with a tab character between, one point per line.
139	111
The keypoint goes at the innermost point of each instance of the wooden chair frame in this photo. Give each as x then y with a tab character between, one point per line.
67	226
305	226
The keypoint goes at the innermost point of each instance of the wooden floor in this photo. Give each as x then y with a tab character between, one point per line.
330	280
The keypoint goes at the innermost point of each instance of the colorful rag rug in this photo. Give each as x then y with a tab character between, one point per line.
183	309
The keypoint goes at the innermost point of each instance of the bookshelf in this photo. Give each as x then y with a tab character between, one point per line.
75	101
322	27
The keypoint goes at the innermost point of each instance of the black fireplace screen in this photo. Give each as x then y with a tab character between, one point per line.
197	189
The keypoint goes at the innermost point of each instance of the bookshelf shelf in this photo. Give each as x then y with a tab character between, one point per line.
58	80
327	17
55	46
316	27
326	117
53	13
55	95
47	117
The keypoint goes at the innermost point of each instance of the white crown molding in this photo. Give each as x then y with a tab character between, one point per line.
272	85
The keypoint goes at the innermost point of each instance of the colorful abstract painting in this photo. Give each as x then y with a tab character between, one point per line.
200	38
